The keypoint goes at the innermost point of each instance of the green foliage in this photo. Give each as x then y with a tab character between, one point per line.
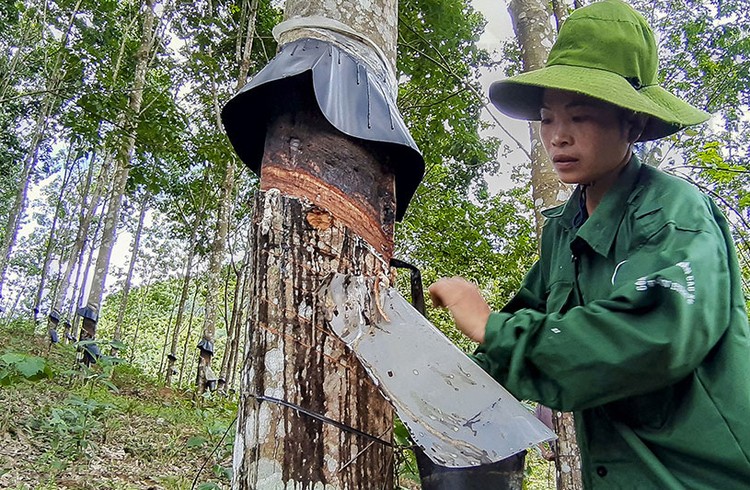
64	426
439	65
15	367
73	428
454	226
705	58
406	463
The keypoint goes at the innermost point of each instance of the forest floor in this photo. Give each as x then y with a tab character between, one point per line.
106	428
112	427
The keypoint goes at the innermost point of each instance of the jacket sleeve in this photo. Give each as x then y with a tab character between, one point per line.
669	305
531	295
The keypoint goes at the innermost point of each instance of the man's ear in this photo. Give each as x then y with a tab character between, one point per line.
636	124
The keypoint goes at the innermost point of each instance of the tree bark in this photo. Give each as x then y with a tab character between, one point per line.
242	306
232	325
345	190
531	23
131	267
293	357
141	304
172	357
218	246
67	172
81	285
213	276
188	333
87	212
124	155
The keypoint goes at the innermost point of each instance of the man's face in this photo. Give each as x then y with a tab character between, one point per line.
585	138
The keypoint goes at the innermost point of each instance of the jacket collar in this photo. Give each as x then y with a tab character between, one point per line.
599	230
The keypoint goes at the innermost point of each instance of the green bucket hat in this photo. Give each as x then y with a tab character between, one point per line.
607	51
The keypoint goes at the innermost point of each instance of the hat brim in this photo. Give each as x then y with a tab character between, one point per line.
521	97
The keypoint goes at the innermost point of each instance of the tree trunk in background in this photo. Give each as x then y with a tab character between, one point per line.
81	284
242	309
172	356
131	267
89	205
531	23
67	172
213	278
139	316
218	246
294	366
48	105
188	333
234	325
122	164
19	204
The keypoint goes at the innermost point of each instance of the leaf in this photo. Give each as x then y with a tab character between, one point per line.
208	486
109	385
118	344
32	367
196	441
401	434
11	358
222	471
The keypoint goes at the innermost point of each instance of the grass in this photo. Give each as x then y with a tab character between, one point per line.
113	427
108	428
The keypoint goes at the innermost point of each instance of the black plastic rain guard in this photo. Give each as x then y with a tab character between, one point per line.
88	313
54	316
353	99
206	346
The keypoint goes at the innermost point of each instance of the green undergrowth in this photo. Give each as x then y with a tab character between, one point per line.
64	426
108	427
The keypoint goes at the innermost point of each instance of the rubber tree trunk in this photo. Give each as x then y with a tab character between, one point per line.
143	299
531	22
188	333
51	239
48	106
89	204
308	224
229	363
123	161
184	292
243	52
131	268
233	325
79	293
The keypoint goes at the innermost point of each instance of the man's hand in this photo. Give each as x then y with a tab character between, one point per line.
462	298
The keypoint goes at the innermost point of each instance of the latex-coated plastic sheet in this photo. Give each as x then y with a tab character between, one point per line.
353	99
455	411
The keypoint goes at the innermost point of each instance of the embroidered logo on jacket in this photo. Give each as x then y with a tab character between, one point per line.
687	290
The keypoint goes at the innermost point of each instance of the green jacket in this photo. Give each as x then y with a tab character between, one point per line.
636	322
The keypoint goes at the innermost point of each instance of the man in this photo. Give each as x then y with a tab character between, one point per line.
633	317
